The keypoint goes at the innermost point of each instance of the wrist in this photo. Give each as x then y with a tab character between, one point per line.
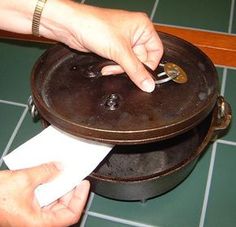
37	16
54	22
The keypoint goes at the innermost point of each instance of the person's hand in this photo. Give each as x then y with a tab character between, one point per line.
128	38
19	207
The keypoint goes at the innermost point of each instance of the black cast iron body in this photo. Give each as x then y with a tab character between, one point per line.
160	136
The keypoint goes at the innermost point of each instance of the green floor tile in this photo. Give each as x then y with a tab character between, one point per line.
204	14
179	207
234	21
9	117
27	130
182	206
230	96
221	209
144	6
17	60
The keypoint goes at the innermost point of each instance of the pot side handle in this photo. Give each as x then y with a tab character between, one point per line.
222	118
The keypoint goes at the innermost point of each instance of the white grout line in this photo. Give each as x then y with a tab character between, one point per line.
232	143
154	9
223	83
13	103
119	220
6	150
85	216
231	16
208	185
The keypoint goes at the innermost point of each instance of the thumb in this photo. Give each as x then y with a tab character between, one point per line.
43	173
136	70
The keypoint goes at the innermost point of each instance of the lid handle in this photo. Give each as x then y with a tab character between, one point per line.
169	72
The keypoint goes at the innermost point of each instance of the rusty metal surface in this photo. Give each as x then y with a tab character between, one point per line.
85	106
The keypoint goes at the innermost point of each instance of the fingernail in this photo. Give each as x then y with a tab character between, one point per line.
106	72
111	69
148	85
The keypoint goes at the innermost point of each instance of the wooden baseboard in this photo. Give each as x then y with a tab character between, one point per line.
220	47
23	37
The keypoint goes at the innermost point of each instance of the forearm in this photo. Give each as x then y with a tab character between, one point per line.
17	16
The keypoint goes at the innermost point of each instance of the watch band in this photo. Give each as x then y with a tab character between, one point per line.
37	16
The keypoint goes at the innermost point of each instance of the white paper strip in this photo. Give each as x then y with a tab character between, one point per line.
79	158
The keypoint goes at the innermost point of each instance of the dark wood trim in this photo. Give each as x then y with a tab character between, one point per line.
220	47
23	37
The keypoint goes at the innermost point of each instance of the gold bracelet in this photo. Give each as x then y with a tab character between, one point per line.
37	16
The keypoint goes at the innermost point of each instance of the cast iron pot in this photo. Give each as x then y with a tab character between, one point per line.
159	136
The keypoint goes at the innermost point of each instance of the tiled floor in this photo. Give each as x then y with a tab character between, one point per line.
208	196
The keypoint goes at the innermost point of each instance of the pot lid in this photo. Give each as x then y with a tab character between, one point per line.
70	93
